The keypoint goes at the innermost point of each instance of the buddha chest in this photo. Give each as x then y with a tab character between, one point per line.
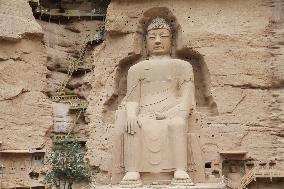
158	77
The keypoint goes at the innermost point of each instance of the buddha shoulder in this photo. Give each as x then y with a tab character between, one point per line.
140	65
182	64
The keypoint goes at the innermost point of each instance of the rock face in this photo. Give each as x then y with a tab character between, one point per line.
238	44
235	47
33	65
15	23
26	112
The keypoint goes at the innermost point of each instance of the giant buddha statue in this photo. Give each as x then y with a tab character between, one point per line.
159	100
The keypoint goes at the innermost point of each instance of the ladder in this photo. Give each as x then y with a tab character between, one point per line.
81	63
247	178
75	121
73	66
229	183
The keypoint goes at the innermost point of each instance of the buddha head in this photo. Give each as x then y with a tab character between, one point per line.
159	37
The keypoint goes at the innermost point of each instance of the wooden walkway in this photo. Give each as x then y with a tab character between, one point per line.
252	175
73	100
69	13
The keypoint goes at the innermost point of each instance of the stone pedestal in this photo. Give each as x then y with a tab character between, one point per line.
154	186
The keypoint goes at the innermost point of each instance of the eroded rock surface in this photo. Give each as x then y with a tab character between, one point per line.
17	21
239	43
243	64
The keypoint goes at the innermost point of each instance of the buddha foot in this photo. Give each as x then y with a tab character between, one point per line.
181	178
131	180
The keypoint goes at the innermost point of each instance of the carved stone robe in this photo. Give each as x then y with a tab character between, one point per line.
156	86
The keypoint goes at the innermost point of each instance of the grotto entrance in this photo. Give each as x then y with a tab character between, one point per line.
233	165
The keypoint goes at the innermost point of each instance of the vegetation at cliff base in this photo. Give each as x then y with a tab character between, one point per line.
66	164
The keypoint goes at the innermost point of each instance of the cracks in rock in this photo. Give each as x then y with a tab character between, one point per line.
280	134
3	59
252	86
240	101
232	74
23	91
17	59
239	144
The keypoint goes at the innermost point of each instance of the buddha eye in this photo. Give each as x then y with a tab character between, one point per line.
164	35
151	37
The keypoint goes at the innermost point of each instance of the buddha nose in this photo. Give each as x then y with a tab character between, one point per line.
158	40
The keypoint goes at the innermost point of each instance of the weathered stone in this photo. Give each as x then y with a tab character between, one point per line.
17	21
235	49
241	66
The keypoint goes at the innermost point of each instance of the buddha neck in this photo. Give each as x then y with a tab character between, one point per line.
159	57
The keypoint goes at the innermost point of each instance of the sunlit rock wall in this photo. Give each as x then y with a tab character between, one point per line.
241	44
25	113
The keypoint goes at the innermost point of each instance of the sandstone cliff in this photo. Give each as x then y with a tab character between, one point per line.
26	113
240	44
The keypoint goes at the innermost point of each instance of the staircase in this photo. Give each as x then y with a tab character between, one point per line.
96	38
229	183
247	178
78	104
73	66
82	63
260	173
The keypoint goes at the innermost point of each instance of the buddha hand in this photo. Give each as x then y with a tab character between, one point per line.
132	124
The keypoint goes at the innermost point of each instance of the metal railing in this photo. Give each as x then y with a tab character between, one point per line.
73	100
79	104
73	66
260	173
69	13
247	178
64	98
228	183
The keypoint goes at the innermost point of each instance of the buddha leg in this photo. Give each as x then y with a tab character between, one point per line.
131	152
177	130
131	159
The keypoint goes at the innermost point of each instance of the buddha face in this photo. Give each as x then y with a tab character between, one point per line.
159	42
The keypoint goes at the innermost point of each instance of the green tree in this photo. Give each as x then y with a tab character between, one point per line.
66	163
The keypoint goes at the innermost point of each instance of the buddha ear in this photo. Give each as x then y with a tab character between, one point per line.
172	42
171	49
146	51
145	47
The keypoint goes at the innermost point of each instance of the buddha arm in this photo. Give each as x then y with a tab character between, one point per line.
187	98
132	109
133	92
186	91
132	101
